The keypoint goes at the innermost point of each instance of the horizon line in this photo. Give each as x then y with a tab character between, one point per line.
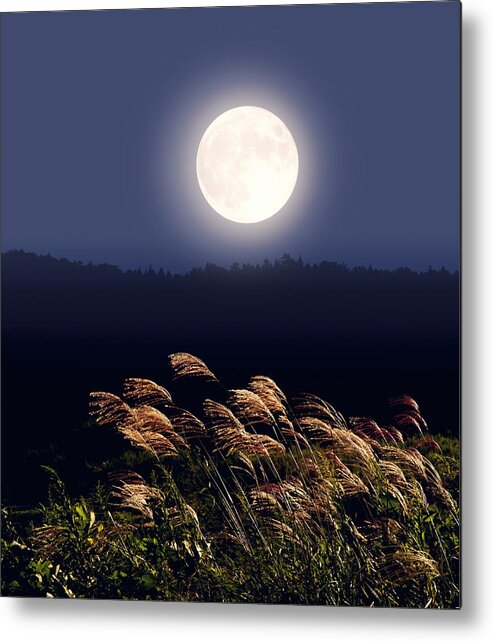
236	264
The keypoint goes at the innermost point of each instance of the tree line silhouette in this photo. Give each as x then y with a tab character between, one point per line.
284	295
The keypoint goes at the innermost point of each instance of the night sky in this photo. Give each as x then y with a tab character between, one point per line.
102	113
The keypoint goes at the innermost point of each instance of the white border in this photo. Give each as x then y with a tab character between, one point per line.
40	619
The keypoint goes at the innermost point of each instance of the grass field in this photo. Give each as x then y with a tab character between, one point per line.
254	498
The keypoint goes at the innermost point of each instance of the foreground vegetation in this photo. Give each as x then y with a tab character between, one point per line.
252	499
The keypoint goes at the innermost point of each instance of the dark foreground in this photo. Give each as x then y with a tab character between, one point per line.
254	497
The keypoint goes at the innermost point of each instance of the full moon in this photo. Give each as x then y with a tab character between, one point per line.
247	164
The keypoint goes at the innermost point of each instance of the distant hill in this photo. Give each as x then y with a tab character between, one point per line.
287	295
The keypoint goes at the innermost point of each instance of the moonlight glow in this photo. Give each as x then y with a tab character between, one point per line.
247	164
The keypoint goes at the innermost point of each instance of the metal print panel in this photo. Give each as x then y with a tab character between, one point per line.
230	304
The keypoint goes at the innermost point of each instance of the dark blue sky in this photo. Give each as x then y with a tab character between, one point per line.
102	113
